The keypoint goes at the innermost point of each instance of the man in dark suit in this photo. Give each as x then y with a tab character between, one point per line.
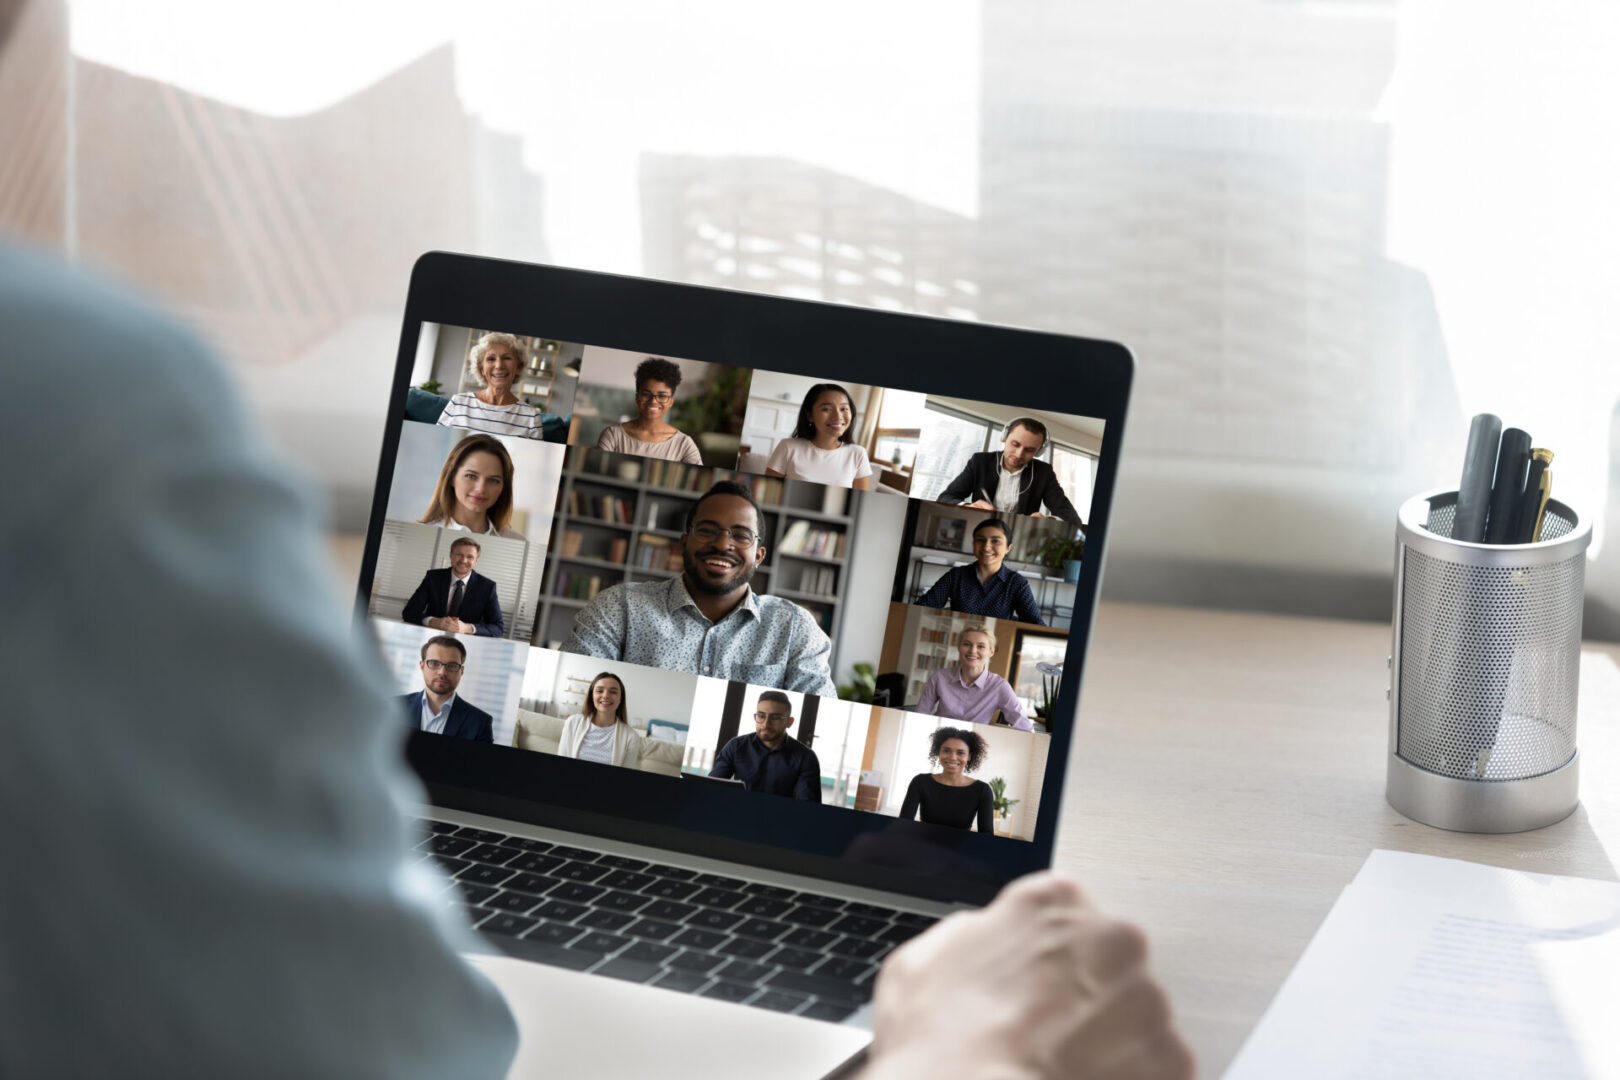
1012	481
436	707
457	600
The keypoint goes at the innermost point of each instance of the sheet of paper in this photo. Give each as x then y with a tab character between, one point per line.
1431	969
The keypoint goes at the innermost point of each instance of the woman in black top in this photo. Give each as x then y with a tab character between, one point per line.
949	797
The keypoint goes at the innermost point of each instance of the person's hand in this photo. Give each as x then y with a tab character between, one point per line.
435	623
460	627
981	504
1038	984
1037	515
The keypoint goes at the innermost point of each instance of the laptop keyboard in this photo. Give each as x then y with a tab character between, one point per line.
720	937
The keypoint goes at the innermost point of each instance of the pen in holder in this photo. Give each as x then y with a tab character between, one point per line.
1485	672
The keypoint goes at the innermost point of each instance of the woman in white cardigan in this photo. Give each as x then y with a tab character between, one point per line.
601	730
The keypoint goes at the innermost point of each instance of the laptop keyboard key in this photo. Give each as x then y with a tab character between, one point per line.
523	843
763	906
719	882
859	948
623	862
627	879
797	959
839	967
816	900
858	926
554	933
683	981
449	845
537	884
810	916
621	901
606	920
561	910
668	910
775	892
777	1001
761	928
714	920
699	939
535	864
717	898
838	990
475	894
579	871
597	941
578	853
675	872
515	902
746	948
494	854
652	929
482	835
911	918
439	826
484	874
806	938
744	972
506	924
869	911
828	1011
575	893
728	991
671	890
694	962
649	952
899	935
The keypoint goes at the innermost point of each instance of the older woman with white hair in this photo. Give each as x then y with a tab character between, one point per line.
496	362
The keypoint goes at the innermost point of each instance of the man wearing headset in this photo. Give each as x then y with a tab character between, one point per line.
1012	481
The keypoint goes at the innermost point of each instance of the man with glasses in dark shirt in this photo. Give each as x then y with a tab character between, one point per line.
436	707
771	760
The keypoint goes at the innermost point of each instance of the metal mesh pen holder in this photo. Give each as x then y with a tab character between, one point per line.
1485	672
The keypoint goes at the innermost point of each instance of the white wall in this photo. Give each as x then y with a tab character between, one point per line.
616	368
868	580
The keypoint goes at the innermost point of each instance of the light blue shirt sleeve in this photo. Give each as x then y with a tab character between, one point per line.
213	878
599	627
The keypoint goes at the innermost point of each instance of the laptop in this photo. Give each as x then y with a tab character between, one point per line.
641	558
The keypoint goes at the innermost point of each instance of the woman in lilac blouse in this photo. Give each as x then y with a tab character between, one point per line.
967	690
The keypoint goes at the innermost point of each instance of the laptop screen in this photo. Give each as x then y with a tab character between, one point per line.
658	571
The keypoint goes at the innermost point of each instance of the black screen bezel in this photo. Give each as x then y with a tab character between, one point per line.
967	360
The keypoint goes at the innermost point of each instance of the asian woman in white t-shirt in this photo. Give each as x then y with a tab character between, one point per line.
823	449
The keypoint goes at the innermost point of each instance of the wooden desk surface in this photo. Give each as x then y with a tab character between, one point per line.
1228	781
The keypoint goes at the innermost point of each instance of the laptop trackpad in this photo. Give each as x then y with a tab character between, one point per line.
588	1025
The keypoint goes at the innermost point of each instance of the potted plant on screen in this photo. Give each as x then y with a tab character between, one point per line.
1051	680
1061	555
998	796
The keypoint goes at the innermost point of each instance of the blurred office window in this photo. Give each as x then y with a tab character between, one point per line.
1329	230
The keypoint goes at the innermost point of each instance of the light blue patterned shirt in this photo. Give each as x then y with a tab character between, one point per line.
765	640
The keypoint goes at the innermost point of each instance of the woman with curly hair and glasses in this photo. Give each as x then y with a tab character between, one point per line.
950	797
648	435
496	362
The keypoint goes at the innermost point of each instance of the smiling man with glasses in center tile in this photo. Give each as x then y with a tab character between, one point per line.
708	620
